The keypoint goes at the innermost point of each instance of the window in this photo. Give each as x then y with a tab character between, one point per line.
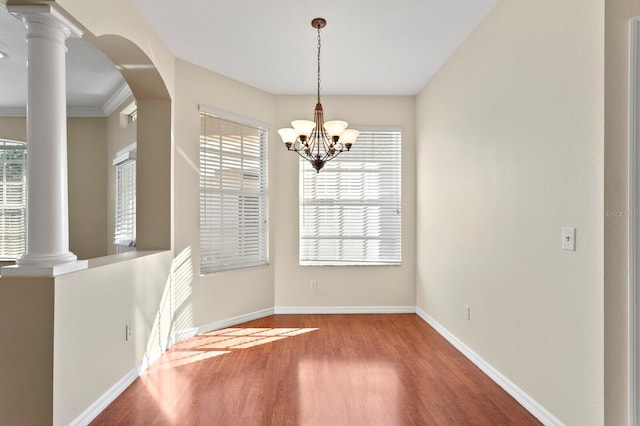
350	211
130	113
233	193
125	215
13	199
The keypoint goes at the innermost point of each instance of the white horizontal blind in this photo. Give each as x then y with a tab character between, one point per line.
233	195
350	211
125	217
13	199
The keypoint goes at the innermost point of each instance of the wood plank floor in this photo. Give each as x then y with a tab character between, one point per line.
316	370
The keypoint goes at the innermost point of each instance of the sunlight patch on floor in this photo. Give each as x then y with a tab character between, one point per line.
177	358
363	392
219	342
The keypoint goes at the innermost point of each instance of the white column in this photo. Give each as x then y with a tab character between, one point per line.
47	198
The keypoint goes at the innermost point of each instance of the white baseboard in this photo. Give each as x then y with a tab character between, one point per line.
345	310
511	388
217	325
148	359
107	398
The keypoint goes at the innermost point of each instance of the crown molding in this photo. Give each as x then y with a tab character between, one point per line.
85	112
120	95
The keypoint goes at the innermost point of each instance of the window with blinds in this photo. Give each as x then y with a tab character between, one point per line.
125	215
13	199
233	194
350	211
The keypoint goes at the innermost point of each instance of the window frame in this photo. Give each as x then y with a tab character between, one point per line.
8	144
124	225
251	195
305	257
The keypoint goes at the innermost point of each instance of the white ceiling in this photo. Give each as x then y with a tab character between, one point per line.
381	47
369	47
92	80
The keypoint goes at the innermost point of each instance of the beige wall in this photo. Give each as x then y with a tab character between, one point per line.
617	15
92	308
26	371
228	294
154	175
153	170
343	285
510	147
86	151
13	128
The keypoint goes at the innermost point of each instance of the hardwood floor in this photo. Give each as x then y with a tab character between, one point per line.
316	370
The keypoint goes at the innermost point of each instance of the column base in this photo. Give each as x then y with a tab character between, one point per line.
29	259
43	271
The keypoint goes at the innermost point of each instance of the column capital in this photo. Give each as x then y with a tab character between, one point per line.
45	15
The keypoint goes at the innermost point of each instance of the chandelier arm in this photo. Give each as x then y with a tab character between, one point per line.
326	157
303	156
332	157
327	144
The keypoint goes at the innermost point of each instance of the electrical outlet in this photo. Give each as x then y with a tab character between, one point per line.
313	285
128	332
467	312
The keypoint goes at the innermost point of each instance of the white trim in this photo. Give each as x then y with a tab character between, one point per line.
46	9
634	143
217	325
511	388
345	310
110	395
85	112
71	112
43	271
229	116
107	398
377	129
127	154
119	95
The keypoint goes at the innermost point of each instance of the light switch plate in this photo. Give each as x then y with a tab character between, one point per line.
569	238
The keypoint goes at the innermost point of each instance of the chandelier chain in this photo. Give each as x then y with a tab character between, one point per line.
318	64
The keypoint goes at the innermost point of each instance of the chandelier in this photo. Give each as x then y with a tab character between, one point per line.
317	141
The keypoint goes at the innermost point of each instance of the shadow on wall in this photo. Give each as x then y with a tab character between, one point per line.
174	318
